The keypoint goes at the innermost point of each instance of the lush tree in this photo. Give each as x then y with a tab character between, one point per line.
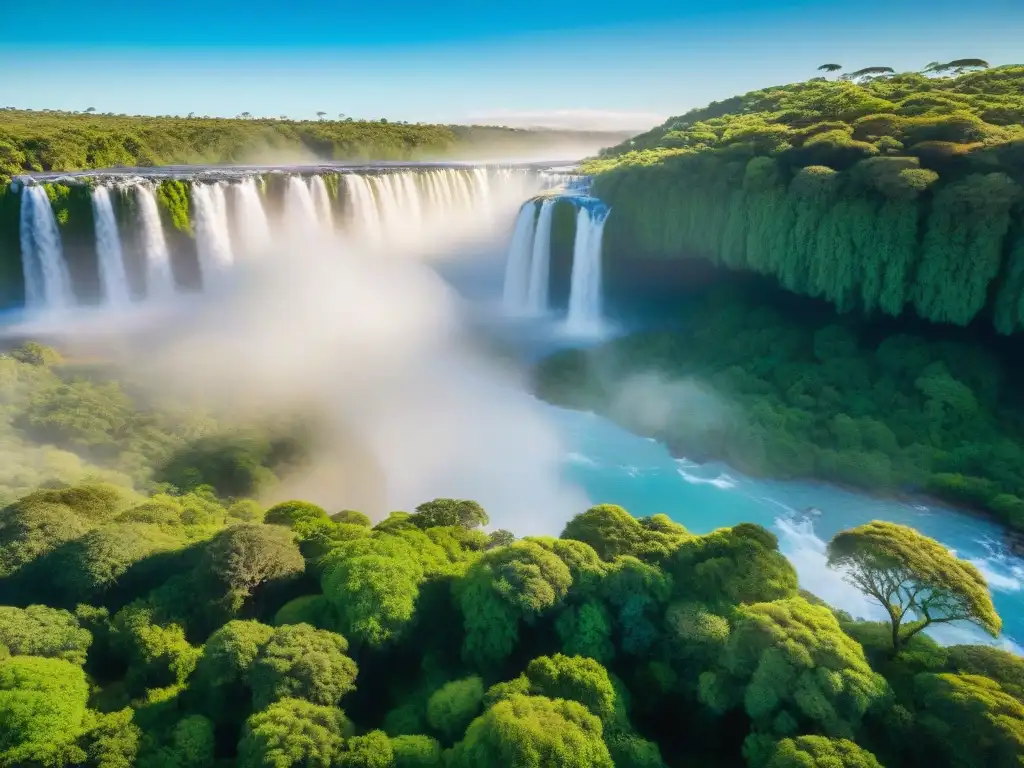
953	706
505	586
741	564
575	678
612	531
113	740
42	710
416	751
299	661
222	671
372	750
444	512
816	752
158	655
293	732
315	610
243	557
351	517
911	576
373	585
533	731
454	705
790	665
41	631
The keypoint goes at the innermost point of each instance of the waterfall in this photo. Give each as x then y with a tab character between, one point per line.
540	261
213	238
517	268
299	209
251	220
322	202
159	277
585	285
363	218
109	254
47	282
411	210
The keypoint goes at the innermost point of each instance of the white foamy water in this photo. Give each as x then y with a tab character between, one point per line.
109	254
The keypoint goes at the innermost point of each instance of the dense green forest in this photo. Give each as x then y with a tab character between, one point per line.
796	392
64	141
164	618
889	194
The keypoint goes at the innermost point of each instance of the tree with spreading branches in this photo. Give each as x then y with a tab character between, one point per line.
830	67
917	580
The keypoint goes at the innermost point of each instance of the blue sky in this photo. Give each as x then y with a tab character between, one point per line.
611	64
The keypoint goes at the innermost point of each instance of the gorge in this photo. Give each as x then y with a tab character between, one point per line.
733	359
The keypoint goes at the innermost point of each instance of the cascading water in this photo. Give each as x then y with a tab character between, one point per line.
213	238
227	218
585	285
322	202
109	254
517	268
540	261
251	220
159	275
47	281
363	217
299	209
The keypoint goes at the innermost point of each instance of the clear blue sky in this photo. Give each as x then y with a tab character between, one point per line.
600	63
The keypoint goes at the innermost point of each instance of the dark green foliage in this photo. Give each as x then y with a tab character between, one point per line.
453	706
779	392
231	466
445	512
245	556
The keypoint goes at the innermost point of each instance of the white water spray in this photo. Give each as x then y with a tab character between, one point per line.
517	268
585	289
159	277
213	238
109	254
47	282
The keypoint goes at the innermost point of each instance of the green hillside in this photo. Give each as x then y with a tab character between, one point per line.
888	194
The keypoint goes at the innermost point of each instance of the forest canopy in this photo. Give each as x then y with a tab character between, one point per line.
138	629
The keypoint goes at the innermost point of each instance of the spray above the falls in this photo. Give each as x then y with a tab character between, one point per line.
47	281
110	256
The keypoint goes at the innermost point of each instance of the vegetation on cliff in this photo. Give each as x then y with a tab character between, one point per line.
890	194
790	391
196	629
